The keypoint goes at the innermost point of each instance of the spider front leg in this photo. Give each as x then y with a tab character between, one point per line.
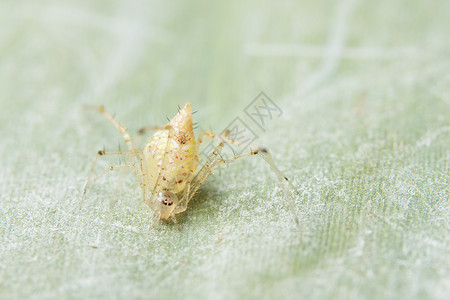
136	170
117	125
184	201
141	169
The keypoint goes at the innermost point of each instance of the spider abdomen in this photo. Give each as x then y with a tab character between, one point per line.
170	153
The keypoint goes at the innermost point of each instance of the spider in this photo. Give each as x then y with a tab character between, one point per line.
166	168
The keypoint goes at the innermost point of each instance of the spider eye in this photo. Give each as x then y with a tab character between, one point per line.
168	199
165	202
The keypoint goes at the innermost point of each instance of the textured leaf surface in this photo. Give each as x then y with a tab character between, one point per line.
364	134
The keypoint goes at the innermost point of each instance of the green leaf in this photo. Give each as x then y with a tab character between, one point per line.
361	129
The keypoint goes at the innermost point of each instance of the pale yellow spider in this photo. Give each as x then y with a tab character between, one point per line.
166	167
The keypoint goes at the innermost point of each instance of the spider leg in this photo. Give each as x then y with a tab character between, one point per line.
120	127
137	157
100	153
156	221
261	151
215	160
214	136
184	201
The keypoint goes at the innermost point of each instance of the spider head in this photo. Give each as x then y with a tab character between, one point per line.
166	204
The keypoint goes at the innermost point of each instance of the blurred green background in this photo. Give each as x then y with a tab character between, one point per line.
364	89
